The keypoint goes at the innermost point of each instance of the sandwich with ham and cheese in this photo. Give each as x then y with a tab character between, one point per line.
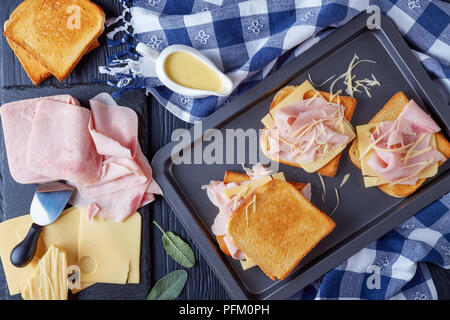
265	221
308	129
399	148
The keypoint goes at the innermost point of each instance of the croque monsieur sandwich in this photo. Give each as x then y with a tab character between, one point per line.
265	221
308	129
399	148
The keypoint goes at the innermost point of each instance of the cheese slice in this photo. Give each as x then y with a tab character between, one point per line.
294	97
109	251
65	233
247	264
268	121
11	233
247	188
347	129
279	176
48	280
370	176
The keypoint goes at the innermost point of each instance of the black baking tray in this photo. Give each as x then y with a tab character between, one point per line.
16	198
364	214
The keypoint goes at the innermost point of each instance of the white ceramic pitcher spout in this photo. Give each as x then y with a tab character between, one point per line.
159	59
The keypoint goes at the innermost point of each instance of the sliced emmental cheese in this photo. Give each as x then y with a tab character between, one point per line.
247	264
11	233
48	280
109	252
247	188
345	128
295	96
371	178
112	246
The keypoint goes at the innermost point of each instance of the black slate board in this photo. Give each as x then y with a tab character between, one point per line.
364	214
16	198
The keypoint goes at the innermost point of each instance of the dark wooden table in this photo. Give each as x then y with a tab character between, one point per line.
202	283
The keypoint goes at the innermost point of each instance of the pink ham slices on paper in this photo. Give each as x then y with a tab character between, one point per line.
305	131
402	148
54	138
215	191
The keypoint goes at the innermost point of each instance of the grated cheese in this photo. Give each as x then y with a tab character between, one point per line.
321	84
337	199
344	180
349	78
323	187
411	150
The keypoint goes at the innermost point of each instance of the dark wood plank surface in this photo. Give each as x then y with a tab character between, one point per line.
202	283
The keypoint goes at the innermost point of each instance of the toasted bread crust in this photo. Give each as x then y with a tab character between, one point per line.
330	169
58	52
280	241
238	177
390	112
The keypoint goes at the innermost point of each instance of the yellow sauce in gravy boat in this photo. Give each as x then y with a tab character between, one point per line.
187	71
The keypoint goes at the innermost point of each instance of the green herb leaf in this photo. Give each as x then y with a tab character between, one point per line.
177	248
169	287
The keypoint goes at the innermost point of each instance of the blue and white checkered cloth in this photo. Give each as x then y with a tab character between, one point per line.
399	256
250	39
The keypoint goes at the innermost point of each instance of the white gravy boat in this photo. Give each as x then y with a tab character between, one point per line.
159	59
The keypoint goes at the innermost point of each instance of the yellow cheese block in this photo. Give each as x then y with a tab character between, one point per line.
370	176
48	280
11	233
347	129
108	251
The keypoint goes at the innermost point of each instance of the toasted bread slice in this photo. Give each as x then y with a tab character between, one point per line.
48	32
36	71
390	112
237	177
330	169
276	227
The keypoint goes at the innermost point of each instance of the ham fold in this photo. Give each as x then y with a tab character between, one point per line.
54	138
306	131
126	182
402	147
17	121
215	191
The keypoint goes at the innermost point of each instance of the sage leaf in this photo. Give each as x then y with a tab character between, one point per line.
177	248
169	287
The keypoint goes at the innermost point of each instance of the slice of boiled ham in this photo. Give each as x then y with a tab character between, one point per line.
17	121
54	138
126	182
215	191
304	131
59	146
410	135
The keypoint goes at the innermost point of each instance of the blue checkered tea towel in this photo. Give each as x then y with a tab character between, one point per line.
398	258
250	39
